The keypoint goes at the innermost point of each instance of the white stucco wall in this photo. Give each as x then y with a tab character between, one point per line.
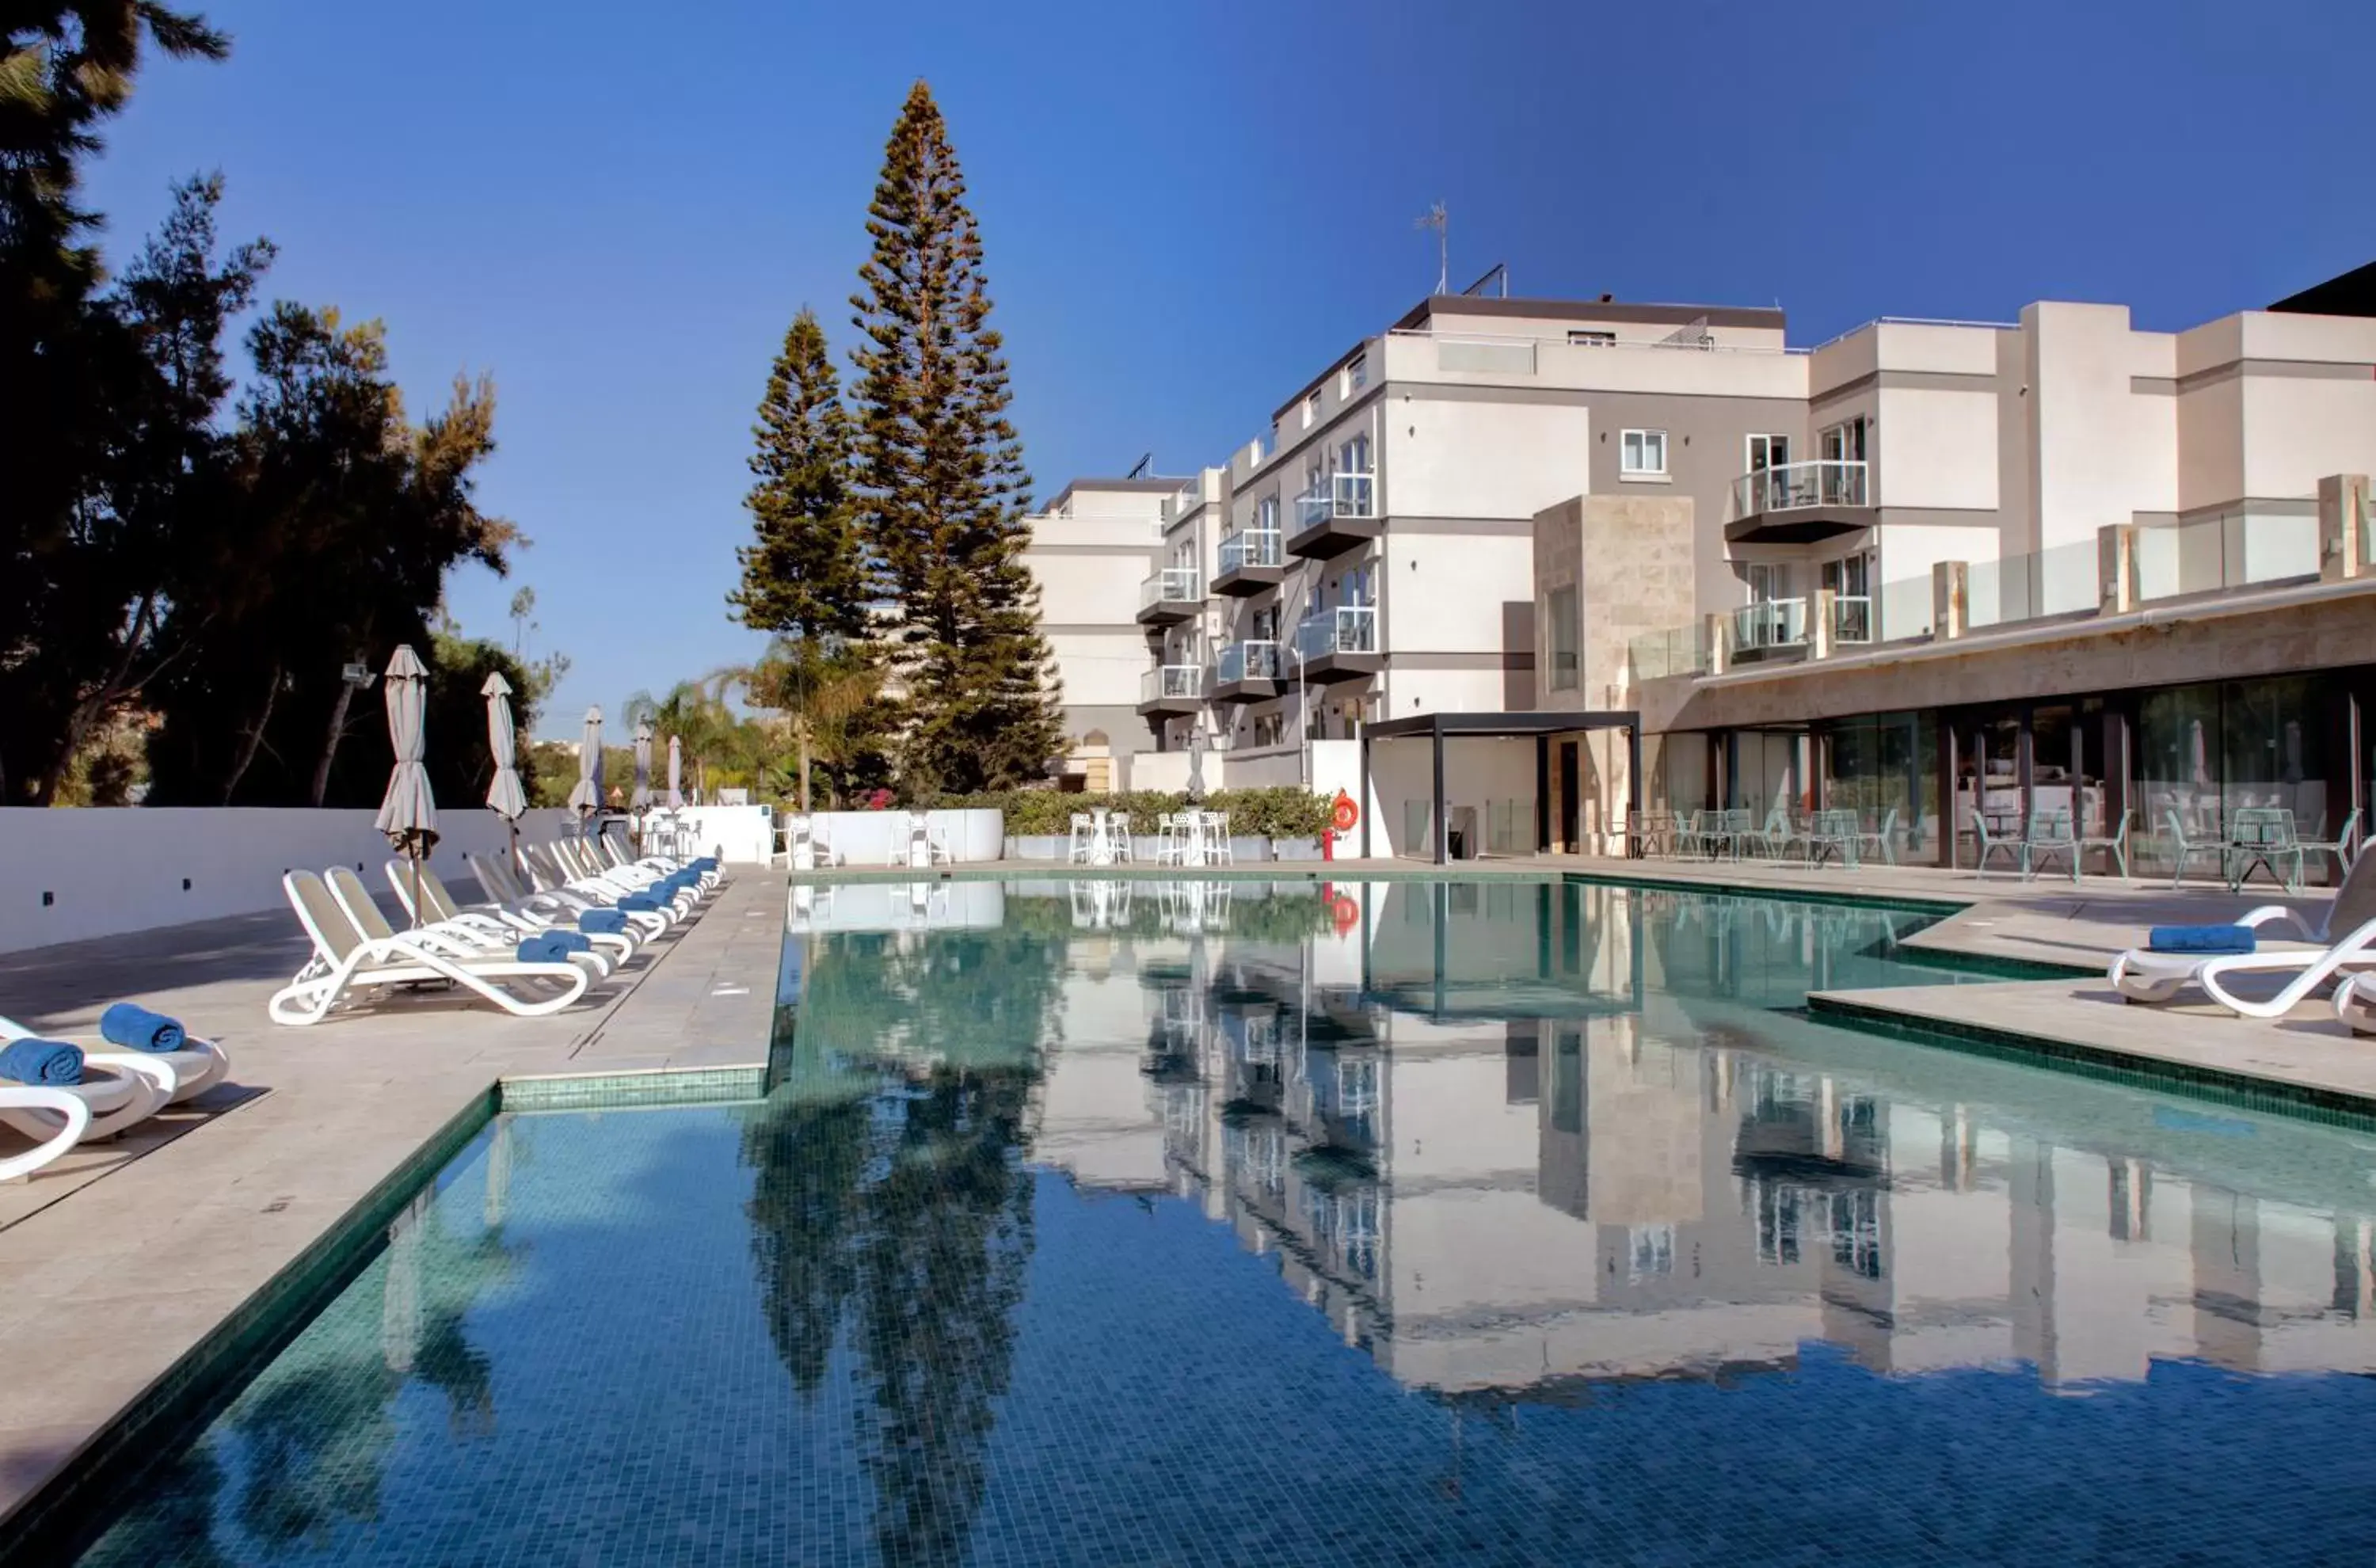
69	874
1941	448
1483	459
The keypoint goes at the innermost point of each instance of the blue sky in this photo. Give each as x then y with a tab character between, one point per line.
1188	207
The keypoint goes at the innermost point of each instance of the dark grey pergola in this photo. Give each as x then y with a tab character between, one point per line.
1542	724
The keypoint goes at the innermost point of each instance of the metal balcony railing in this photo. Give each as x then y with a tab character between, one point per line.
1254	547
1171	680
1788	487
1339	495
1770	623
1171	585
1246	661
1347	628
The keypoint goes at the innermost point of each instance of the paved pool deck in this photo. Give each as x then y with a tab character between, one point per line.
118	1263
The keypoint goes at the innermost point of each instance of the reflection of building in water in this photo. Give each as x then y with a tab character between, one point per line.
1505	1135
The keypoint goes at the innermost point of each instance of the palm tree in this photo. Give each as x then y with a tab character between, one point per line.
829	693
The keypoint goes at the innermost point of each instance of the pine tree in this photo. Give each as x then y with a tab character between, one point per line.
940	480
805	574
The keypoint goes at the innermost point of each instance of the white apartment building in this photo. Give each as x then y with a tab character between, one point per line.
1506	506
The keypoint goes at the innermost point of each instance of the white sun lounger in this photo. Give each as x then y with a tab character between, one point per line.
199	1066
119	1089
500	925
72	1115
346	961
591	866
558	870
2341	943
462	938
2355	999
500	884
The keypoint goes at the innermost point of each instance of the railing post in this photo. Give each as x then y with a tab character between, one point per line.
2116	568
1950	593
1719	642
1824	605
2342	528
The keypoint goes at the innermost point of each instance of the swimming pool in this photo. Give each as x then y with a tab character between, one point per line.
1110	1222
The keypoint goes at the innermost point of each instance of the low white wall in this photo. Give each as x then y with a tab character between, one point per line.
975	836
69	873
895	905
736	834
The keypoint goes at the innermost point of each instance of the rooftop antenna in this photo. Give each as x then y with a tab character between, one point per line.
1437	219
1138	469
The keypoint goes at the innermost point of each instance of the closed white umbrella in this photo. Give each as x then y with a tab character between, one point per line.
505	797
408	813
586	795
643	795
676	769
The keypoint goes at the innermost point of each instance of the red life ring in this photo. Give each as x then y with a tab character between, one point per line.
1344	815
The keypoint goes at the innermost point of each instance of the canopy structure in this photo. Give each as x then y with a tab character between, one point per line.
1539	723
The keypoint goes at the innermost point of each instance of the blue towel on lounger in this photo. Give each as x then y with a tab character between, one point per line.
2210	938
546	947
134	1027
31	1060
602	922
639	904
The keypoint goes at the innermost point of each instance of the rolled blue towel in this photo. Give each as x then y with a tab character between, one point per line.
569	941
2213	939
134	1027
31	1060
602	922
639	904
544	948
705	862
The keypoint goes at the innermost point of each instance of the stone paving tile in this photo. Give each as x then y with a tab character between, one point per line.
141	1257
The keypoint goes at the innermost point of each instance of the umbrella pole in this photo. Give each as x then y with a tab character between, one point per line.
417	921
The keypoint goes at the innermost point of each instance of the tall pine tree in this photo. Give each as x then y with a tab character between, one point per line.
940	480
803	574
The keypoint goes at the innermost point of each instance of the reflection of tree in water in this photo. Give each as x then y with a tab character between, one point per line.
890	1210
318	1429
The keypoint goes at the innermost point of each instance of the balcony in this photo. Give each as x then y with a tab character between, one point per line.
1768	627
1246	671
1338	515
1172	689
1800	503
1172	594
1249	563
1338	644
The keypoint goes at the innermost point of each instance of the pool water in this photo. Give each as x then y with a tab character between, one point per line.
1136	1223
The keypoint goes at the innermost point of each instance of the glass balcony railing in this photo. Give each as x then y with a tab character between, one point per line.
1173	585
1676	650
1347	628
1770	623
1254	547
1246	661
1172	682
1789	487
1852	618
1339	495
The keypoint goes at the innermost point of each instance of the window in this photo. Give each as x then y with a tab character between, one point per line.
1353	457
1267	514
1268	728
1311	409
1643	453
1564	635
1585	338
1357	374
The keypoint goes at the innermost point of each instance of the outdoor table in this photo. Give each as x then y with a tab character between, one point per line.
2261	838
1100	842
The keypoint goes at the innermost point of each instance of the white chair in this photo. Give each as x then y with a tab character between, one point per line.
1118	834
2342	940
1213	827
1167	839
2354	1004
199	1066
1083	842
345	961
807	849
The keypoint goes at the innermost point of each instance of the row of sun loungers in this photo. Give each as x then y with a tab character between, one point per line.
570	916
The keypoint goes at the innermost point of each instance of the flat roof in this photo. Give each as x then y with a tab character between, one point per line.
1154	486
1592	310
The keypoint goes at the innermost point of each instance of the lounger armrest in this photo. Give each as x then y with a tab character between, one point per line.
2268	914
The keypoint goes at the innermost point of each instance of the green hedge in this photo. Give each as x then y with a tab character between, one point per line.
1285	812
